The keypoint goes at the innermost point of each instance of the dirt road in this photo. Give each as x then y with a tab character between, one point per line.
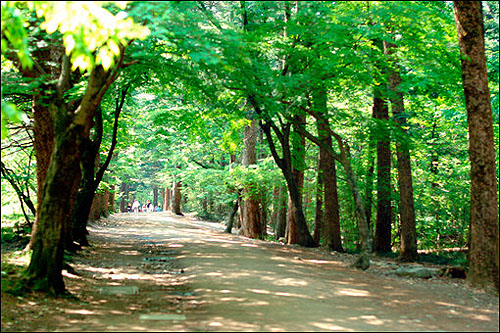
186	275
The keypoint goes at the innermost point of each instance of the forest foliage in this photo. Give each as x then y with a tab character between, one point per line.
192	67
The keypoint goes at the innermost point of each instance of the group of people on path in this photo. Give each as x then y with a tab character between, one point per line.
136	207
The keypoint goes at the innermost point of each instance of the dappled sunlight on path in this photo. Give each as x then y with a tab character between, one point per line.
249	285
162	272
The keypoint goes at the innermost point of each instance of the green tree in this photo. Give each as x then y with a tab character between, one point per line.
70	119
484	250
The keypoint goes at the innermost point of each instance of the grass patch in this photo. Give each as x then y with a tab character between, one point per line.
13	278
450	258
15	230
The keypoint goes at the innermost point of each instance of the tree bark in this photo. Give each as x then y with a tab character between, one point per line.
318	218
292	165
382	238
484	243
124	190
331	220
177	198
85	195
370	176
48	244
155	195
252	224
408	250
279	231
302	235
230	219
43	133
71	124
363	261
90	182
111	207
166	199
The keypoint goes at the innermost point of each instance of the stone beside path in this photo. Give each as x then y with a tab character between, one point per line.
119	290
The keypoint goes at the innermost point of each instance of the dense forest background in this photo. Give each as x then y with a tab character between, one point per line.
343	112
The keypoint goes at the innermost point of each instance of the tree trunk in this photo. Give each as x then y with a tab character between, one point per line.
60	184
155	195
369	180
230	219
111	207
89	184
318	218
408	251
105	203
43	133
296	199
166	199
177	198
124	198
304	237
252	224
279	231
363	261
382	239
331	220
484	247
85	194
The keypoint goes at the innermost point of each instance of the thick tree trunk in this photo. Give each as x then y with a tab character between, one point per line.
177	198
408	251
43	132
230	219
382	238
85	194
166	199
296	225
71	127
89	184
331	220
252	224
61	180
484	247
292	231
285	164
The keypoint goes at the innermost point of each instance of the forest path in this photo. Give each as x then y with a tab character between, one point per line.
205	280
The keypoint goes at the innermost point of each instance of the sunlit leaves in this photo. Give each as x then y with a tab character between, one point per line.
13	31
91	34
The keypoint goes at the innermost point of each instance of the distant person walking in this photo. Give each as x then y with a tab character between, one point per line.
135	206
150	207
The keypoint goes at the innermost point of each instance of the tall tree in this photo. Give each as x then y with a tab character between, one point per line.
176	197
90	180
484	247
252	225
408	250
383	223
331	219
298	165
71	117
